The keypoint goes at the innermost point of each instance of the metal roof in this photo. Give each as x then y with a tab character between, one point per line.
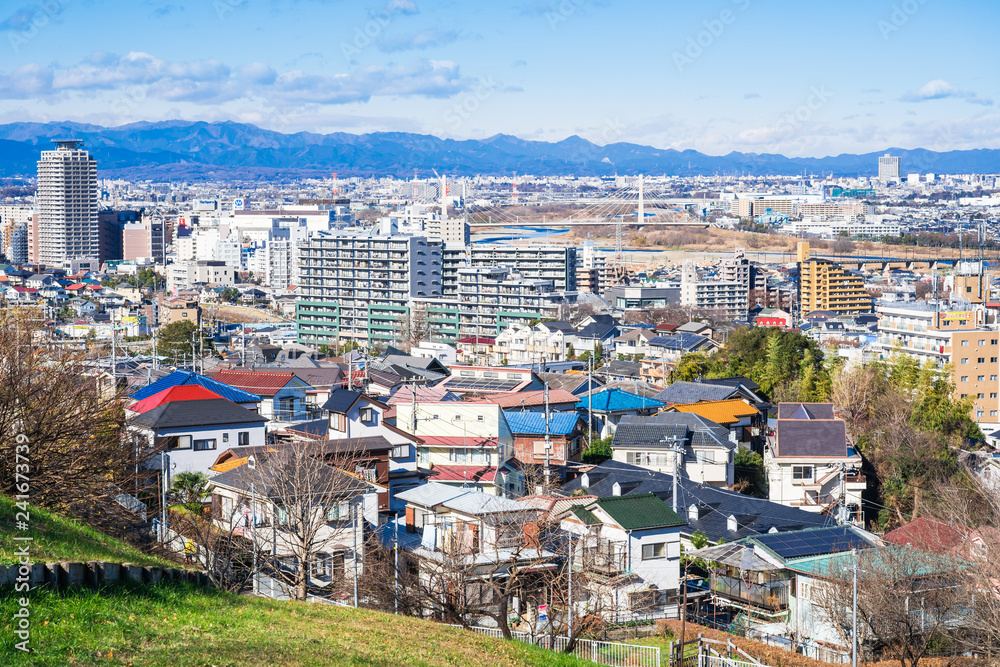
560	423
639	512
211	412
188	377
616	400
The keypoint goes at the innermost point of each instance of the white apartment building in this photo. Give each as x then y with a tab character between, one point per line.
730	297
359	286
546	341
67	202
185	275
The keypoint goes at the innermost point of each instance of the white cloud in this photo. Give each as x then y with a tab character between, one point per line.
939	89
211	81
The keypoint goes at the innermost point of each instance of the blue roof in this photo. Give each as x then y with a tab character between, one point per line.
560	423
188	377
614	400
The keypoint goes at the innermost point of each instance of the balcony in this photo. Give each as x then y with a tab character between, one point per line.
771	595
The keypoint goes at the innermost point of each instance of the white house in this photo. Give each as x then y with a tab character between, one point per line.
634	535
810	464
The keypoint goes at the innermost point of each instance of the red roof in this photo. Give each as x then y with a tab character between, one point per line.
464	473
262	384
184	392
75	287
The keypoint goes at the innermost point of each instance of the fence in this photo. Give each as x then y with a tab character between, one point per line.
613	654
706	660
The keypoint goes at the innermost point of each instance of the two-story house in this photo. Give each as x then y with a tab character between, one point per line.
253	496
283	395
386	454
810	463
451	531
466	444
193	426
565	440
607	406
736	414
629	546
658	442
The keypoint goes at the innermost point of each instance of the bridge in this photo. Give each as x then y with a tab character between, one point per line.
882	263
585	222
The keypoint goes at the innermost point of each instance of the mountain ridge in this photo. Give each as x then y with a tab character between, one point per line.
176	149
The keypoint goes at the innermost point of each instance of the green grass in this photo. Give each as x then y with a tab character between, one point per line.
183	625
56	538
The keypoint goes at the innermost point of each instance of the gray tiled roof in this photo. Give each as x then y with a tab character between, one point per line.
692	392
754	516
649	431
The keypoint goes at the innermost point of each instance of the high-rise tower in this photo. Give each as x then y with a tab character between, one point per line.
67	204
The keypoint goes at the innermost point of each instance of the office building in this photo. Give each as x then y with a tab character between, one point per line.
888	169
824	285
68	224
146	238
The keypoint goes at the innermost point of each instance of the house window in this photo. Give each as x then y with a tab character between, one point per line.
965	343
367	415
480	418
457	455
339	511
204	445
243	438
802	472
338	422
457	418
183	442
282	516
982	341
400	452
704	456
981	378
965	378
225	437
965	360
981	360
655	551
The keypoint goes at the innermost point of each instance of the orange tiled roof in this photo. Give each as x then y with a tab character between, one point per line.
229	465
721	412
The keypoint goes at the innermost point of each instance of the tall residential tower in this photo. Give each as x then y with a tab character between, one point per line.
67	204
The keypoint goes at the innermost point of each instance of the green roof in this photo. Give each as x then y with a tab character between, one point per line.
640	511
584	515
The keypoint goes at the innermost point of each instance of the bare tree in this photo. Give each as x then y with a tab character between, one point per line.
908	601
412	327
61	422
306	511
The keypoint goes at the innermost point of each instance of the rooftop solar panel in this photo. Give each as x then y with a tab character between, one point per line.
813	542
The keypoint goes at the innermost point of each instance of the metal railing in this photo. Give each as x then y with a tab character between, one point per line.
613	654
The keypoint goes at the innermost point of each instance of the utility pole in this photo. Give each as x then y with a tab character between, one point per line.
590	398
163	496
396	549
355	549
569	602
253	534
854	652
548	440
842	514
677	447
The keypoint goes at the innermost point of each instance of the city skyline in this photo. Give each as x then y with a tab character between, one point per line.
734	76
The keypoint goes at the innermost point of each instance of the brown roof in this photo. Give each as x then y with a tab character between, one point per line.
516	399
263	384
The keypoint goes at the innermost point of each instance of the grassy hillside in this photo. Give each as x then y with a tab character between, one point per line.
180	624
57	538
183	625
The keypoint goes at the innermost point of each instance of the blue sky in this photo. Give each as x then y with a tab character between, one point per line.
798	78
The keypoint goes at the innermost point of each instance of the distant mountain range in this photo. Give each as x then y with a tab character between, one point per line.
197	151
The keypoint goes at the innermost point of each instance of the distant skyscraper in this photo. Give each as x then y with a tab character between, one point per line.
888	168
67	204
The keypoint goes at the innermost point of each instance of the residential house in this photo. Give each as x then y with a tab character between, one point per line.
563	431
186	378
575	383
390	453
617	370
283	395
444	523
559	400
597	331
247	498
608	406
482	380
774	317
658	442
777	580
193	425
630	548
466	444
810	463
744	421
476	351
716	389
718	514
634	342
665	351
546	341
